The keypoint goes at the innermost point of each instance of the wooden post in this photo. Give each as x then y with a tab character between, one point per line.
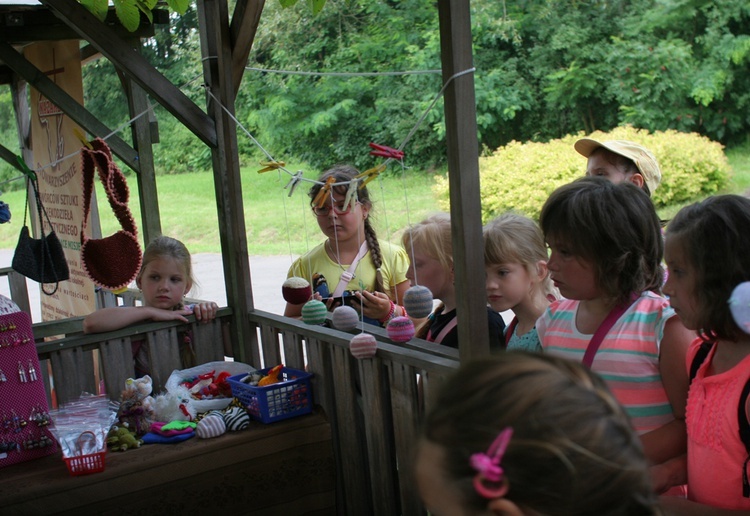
463	178
217	71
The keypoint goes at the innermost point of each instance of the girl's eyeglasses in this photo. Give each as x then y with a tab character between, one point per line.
338	209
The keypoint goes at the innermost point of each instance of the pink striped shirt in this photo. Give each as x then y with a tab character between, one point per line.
627	359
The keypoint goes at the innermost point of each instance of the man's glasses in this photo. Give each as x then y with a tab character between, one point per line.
338	209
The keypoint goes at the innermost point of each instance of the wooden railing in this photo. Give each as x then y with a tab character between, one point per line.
374	406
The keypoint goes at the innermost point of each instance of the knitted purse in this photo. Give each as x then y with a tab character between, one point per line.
114	261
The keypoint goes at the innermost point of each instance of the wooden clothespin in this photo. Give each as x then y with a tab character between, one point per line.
270	165
320	199
294	182
351	194
79	134
386	152
369	175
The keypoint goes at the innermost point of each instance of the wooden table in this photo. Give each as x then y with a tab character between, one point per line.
285	467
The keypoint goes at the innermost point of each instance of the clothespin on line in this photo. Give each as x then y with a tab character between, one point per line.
386	152
370	174
294	182
23	167
270	165
320	199
351	194
82	137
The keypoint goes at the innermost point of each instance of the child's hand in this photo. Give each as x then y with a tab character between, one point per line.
204	312
375	305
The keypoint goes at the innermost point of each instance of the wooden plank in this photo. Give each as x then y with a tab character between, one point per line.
407	416
18	291
378	428
80	115
117	365
242	34
463	176
293	350
164	353
217	74
269	338
135	66
72	373
208	341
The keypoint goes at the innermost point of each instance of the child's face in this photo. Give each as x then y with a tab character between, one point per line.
429	272
163	283
681	281
508	285
341	225
439	495
598	165
571	274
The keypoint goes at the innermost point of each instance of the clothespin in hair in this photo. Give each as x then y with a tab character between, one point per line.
270	165
294	182
23	167
79	134
369	175
386	152
320	199
351	194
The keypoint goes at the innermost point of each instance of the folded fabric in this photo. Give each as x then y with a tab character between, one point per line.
170	429
154	438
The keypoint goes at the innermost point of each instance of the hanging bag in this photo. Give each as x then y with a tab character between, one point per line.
114	261
40	259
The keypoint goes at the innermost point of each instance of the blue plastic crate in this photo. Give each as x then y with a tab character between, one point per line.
291	397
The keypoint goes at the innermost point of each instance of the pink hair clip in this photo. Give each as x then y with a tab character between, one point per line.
488	467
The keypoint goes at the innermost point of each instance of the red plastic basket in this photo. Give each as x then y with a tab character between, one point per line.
85	464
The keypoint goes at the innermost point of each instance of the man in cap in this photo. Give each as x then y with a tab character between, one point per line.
621	160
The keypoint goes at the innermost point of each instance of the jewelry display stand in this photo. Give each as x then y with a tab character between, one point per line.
24	413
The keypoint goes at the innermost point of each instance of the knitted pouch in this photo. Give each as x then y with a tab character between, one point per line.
114	261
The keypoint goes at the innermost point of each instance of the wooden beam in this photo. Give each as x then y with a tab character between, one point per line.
242	32
136	67
463	177
217	72
80	115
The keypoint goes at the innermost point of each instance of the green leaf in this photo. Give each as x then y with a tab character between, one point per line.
316	5
128	14
179	6
145	9
287	3
97	7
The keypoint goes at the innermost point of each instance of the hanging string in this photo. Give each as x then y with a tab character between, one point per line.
343	74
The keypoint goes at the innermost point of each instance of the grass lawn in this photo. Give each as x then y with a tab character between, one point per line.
281	225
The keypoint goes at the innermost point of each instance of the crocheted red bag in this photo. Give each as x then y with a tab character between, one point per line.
114	261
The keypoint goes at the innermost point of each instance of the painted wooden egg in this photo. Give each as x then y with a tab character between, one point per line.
314	312
345	318
296	290
363	345
418	301
211	426
739	305
400	329
236	419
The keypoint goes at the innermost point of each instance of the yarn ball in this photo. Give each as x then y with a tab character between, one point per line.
739	305
363	345
314	312
296	290
345	318
236	419
418	301
211	426
400	329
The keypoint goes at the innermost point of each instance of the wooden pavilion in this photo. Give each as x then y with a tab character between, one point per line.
372	407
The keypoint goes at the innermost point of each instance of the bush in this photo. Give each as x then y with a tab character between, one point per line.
520	176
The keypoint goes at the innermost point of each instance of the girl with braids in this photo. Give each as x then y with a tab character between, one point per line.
375	269
525	434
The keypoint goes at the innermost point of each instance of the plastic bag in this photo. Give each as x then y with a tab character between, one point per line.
204	405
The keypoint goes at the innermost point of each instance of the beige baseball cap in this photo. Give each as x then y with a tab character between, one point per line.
641	156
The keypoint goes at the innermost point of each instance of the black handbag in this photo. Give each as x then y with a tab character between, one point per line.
42	259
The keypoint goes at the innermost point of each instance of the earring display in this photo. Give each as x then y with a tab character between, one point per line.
24	411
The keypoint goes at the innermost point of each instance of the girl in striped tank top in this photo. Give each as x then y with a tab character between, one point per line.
605	254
